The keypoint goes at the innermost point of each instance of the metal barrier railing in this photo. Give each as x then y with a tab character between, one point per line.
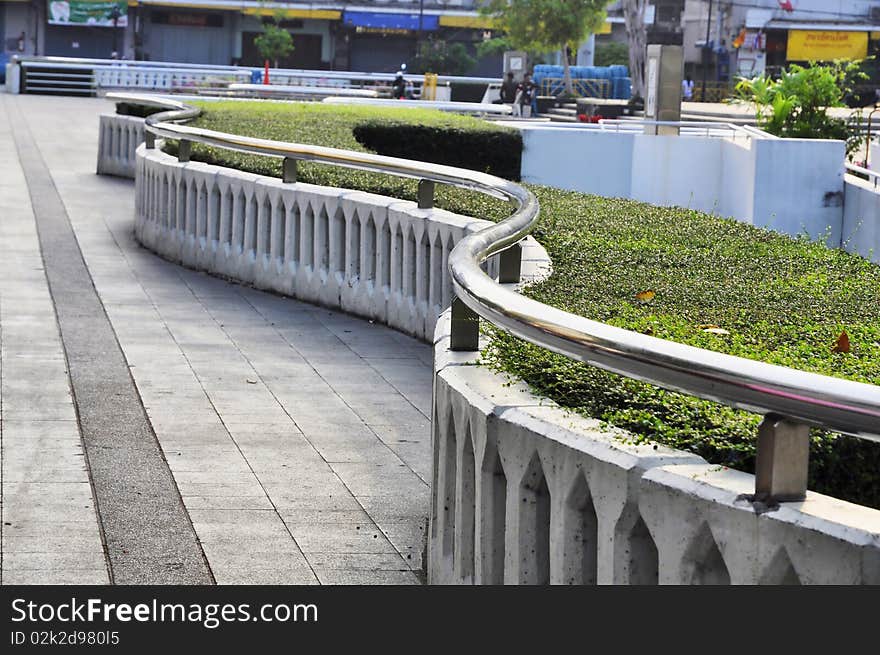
686	128
585	88
790	400
715	92
865	173
116	73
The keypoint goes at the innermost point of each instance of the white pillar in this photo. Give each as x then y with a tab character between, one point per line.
586	51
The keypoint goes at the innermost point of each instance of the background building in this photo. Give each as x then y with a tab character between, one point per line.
369	35
748	37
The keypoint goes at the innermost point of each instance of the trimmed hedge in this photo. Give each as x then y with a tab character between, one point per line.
334	125
488	150
779	299
141	111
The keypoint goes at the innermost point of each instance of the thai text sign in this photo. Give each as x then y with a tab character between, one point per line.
815	45
94	13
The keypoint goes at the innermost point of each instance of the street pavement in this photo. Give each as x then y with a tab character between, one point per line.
158	425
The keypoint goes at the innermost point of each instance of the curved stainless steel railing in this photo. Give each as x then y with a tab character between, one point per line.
799	397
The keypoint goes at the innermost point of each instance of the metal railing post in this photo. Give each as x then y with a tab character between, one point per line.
426	194
184	150
465	332
782	461
288	170
510	264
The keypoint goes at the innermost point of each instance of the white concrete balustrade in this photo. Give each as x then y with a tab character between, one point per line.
376	257
118	139
523	492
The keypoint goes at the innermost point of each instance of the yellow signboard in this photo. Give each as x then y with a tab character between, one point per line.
473	22
815	45
314	14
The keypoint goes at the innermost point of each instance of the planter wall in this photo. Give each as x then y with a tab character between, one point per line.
118	139
524	492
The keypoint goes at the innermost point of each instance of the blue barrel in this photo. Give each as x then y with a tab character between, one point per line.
622	88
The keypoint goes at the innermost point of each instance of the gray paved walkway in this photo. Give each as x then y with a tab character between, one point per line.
298	438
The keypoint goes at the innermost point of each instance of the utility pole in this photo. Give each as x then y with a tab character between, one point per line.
419	35
707	54
115	15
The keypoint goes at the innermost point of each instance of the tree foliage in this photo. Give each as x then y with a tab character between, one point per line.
611	54
274	43
545	25
443	58
498	45
796	105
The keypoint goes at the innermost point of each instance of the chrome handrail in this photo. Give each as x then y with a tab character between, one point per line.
790	399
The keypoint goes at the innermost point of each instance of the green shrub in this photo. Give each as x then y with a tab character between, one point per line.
796	105
611	54
141	111
487	150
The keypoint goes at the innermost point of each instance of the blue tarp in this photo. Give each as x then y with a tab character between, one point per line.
389	21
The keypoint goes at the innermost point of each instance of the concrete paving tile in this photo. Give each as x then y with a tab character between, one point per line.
296	517
339	501
408	537
44	561
341	538
377	480
219	489
397	506
359	577
227	502
358	561
251	576
51	543
55	577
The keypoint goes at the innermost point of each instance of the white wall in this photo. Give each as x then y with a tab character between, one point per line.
598	163
861	220
799	186
738	187
791	185
671	170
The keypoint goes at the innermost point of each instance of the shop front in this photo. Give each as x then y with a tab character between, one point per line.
381	42
186	35
85	28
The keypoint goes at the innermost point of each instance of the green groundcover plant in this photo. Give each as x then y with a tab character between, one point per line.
674	273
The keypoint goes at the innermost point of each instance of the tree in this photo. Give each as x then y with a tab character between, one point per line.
548	24
443	58
500	44
274	43
637	36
